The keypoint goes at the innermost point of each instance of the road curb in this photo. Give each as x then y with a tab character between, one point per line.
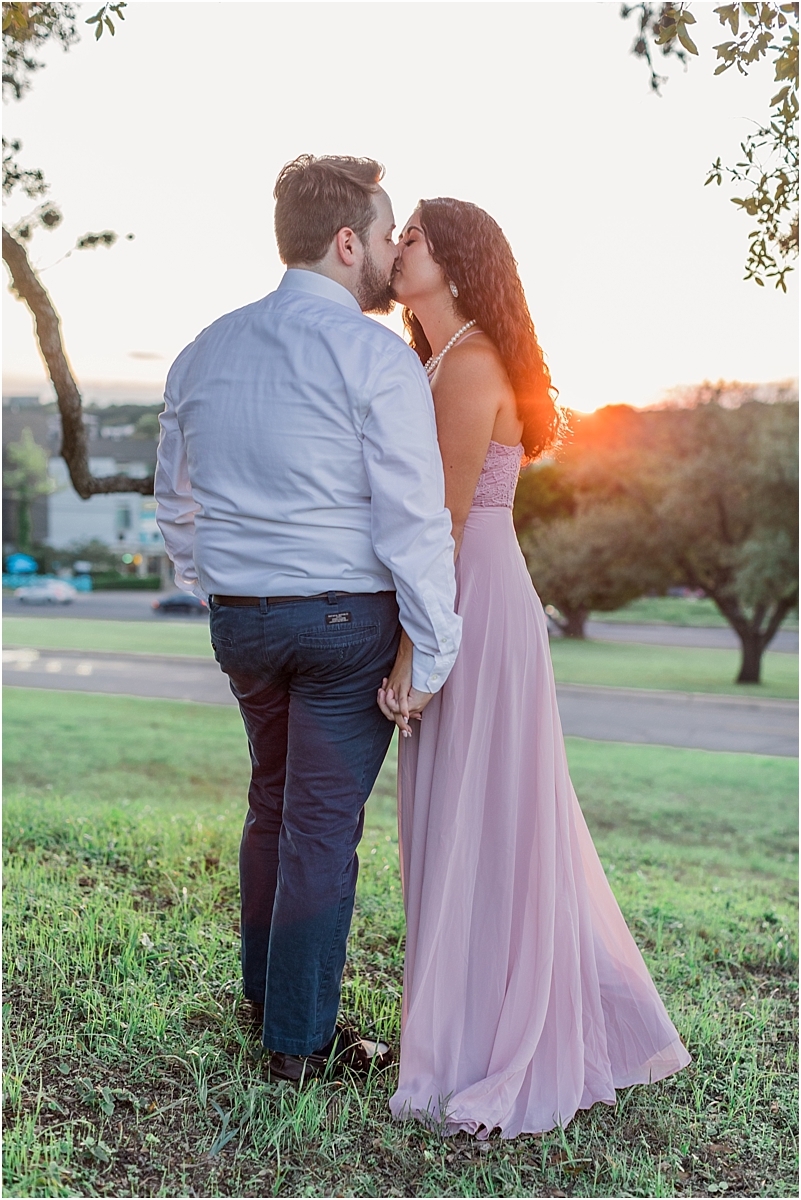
669	696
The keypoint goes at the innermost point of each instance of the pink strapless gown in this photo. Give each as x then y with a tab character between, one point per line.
524	996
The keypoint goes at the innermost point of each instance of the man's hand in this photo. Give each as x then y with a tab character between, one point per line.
397	699
405	706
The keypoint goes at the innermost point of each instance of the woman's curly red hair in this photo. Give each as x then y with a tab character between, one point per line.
474	254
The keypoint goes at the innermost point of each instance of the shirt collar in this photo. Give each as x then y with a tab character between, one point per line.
300	280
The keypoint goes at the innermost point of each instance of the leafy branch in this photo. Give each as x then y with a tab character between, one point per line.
26	27
74	448
665	25
769	163
101	20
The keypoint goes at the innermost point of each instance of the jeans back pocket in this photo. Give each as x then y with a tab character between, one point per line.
335	637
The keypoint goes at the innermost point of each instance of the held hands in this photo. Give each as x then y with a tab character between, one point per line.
397	698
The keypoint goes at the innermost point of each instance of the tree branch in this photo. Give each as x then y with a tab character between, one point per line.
48	336
779	613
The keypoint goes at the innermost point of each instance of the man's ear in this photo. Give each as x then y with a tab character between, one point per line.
345	246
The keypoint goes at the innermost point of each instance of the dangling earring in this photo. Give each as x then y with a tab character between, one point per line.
454	290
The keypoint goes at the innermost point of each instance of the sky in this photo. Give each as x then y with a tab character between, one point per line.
175	129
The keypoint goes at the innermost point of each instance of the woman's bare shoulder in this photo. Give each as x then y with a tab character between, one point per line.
476	348
474	368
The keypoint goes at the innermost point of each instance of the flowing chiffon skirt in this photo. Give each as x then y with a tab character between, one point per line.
525	997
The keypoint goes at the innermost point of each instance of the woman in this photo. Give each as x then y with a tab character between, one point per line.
525	997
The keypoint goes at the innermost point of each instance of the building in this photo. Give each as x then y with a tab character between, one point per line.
123	521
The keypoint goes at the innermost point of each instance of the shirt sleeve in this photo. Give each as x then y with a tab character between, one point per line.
411	527
176	507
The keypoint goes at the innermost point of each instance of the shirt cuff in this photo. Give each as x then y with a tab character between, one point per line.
190	584
426	676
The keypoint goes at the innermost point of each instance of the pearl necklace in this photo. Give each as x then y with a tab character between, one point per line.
433	362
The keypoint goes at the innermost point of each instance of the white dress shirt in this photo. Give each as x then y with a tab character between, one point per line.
298	454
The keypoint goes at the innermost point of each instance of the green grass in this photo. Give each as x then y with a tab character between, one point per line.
129	1072
675	610
121	637
613	664
670	668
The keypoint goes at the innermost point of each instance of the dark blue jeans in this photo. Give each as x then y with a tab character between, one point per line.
305	673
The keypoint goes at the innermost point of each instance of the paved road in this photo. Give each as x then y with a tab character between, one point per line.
137	606
96	606
701	722
606	714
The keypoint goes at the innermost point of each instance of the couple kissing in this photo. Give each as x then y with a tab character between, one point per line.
344	498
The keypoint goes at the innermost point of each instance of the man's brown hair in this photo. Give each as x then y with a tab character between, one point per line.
316	197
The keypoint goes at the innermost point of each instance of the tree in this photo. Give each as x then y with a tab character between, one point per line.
717	489
728	515
769	164
26	28
26	479
147	426
593	561
585	551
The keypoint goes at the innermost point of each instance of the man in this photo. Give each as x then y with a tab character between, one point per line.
300	487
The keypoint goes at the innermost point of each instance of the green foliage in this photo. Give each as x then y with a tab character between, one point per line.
665	24
101	20
147	425
716	490
129	1072
600	559
101	556
769	163
31	181
116	581
544	492
27	25
127	414
90	240
729	509
26	28
584	550
26	478
46	216
687	611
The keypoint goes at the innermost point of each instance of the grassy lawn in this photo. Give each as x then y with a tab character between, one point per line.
674	610
613	664
128	637
670	668
129	1073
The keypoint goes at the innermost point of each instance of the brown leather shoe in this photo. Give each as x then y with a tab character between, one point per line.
347	1048
296	1068
360	1053
253	1016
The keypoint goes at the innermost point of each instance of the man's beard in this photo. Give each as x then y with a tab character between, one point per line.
375	293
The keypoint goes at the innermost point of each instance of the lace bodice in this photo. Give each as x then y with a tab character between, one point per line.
498	479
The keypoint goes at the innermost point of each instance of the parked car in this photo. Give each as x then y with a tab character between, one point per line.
181	604
48	591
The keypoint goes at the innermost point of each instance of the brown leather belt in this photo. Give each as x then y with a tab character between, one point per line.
255	601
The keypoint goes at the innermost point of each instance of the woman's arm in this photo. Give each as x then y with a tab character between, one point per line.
470	390
397	699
